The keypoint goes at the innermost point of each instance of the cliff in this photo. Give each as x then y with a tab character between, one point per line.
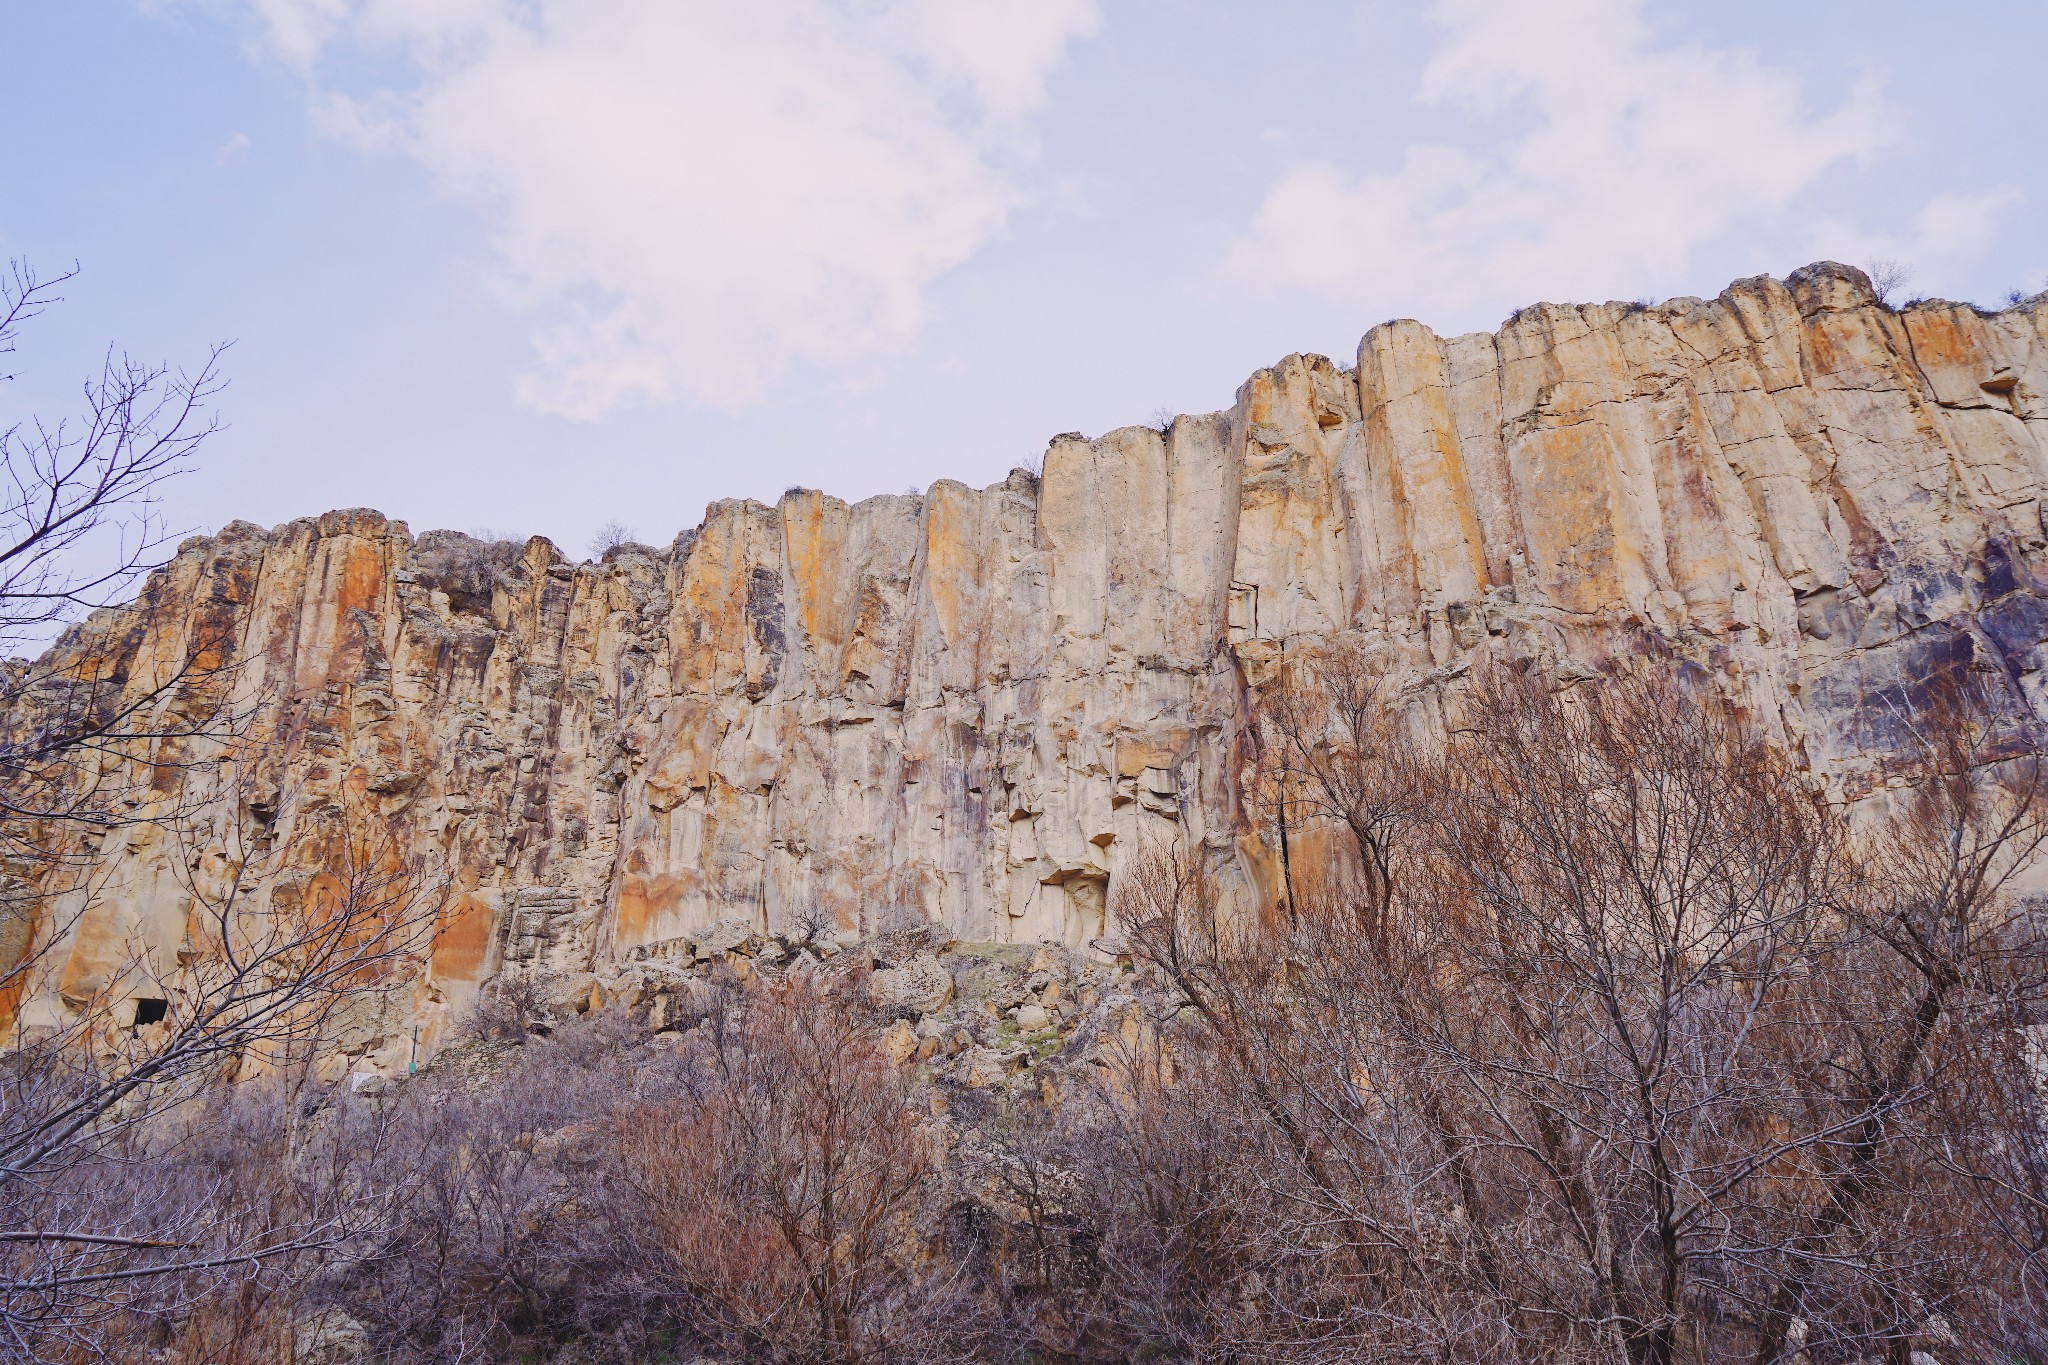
970	707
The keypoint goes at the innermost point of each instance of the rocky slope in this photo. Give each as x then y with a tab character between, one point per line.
969	708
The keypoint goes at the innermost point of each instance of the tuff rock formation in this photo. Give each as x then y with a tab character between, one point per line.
969	708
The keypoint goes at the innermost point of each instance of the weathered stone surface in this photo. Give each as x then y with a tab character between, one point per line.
981	1067
330	1338
919	986
899	1044
968	709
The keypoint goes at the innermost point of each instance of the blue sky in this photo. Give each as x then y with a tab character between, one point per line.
537	264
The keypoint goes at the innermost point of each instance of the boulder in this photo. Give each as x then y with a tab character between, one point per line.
982	1067
731	937
922	985
899	1044
330	1338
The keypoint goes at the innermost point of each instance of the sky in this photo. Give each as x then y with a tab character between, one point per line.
539	265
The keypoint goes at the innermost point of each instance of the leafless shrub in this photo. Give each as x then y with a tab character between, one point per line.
1592	1035
1888	278
514	1227
810	924
780	1182
513	1005
611	536
231	1171
1653	1055
256	996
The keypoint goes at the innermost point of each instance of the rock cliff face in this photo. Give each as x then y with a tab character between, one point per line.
970	707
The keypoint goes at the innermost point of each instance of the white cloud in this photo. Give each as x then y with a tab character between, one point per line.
235	148
1611	161
1006	48
1951	231
296	30
689	196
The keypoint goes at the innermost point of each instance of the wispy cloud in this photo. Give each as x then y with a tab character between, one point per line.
1950	230
686	197
1600	164
233	149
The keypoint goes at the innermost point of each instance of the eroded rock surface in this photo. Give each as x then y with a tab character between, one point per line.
968	709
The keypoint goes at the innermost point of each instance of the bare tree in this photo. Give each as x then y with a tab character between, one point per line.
79	526
1656	1058
1963	969
611	536
262	968
255	988
780	1182
1337	753
1888	278
79	518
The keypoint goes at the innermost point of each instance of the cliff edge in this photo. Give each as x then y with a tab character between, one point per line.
969	708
